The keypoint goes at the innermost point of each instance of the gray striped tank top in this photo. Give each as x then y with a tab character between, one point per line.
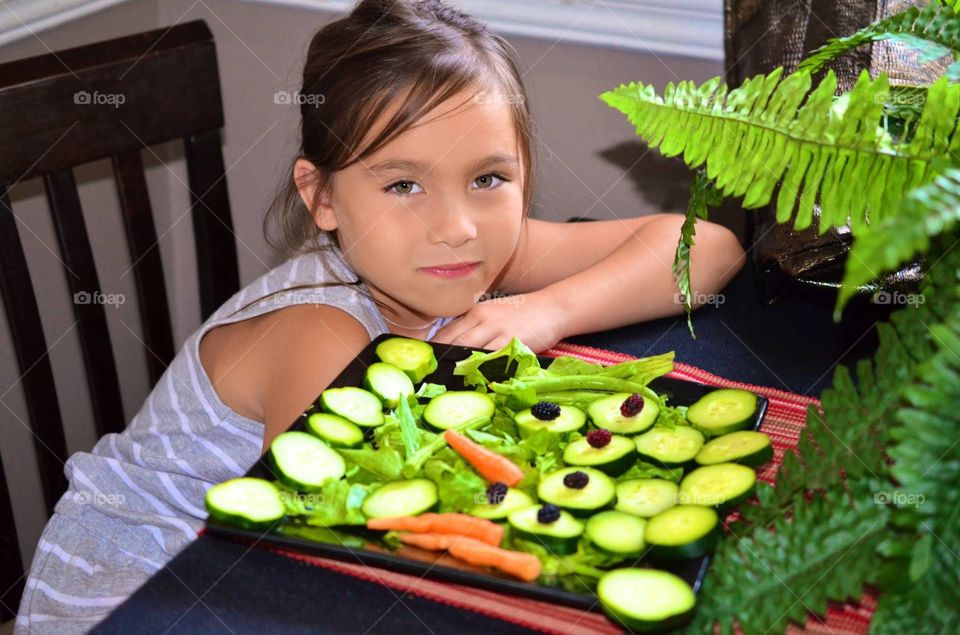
136	499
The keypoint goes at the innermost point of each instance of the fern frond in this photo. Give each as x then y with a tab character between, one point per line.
825	551
758	134
926	454
926	212
702	195
932	31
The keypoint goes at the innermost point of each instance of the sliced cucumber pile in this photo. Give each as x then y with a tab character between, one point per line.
723	411
571	418
360	406
745	447
646	497
304	462
615	458
597	493
669	447
605	413
251	503
721	485
336	431
646	600
454	408
512	501
388	382
559	536
413	357
617	532
684	531
401	498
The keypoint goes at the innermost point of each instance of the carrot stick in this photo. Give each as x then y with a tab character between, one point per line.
458	524
525	566
488	463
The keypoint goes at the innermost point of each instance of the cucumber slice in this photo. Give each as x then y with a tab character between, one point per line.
360	406
745	447
669	447
401	498
414	357
614	459
251	503
560	536
646	600
304	462
605	413
513	500
598	493
723	411
646	497
684	531
722	485
571	418
454	408
388	382
336	431
617	532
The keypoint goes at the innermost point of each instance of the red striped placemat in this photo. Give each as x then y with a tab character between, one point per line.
784	419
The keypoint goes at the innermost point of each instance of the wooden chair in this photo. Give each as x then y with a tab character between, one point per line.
50	123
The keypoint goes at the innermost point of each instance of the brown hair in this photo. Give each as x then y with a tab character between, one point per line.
421	52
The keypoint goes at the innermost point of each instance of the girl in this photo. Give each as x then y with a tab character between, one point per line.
408	205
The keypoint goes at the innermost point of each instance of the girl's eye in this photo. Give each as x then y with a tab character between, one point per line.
486	181
401	184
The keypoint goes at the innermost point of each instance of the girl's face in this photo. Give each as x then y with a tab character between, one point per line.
447	192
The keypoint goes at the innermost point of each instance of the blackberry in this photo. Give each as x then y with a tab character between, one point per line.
545	410
576	480
631	405
548	513
599	438
496	493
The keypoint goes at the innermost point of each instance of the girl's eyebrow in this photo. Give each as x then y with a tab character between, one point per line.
418	167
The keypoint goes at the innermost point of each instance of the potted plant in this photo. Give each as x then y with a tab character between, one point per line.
871	498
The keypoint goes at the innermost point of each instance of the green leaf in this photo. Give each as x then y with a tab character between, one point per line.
408	428
515	359
702	195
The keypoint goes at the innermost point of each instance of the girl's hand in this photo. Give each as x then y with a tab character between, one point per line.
534	318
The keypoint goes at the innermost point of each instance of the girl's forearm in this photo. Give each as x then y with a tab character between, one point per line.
634	282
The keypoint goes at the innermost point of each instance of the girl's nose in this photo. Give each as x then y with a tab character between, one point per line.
452	223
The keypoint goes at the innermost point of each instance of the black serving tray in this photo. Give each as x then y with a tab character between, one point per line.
439	565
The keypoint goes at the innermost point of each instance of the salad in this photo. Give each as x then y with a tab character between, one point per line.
575	475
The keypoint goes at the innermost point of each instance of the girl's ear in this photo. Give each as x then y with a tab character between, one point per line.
306	177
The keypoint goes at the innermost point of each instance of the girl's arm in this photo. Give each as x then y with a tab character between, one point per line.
633	281
572	278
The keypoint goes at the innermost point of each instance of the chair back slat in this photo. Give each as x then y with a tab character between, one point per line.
88	306
36	373
212	226
147	265
11	569
105	100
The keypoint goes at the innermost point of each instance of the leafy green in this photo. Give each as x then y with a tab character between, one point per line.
703	194
385	463
642	469
409	431
337	503
458	487
515	352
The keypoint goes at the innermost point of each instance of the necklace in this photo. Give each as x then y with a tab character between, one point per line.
410	328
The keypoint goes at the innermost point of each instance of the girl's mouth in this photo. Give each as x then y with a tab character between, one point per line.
454	270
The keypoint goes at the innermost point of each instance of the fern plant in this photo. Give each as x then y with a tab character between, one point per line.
870	499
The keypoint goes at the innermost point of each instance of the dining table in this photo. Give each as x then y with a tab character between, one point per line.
787	350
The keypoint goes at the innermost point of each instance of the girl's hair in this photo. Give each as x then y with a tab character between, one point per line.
421	52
